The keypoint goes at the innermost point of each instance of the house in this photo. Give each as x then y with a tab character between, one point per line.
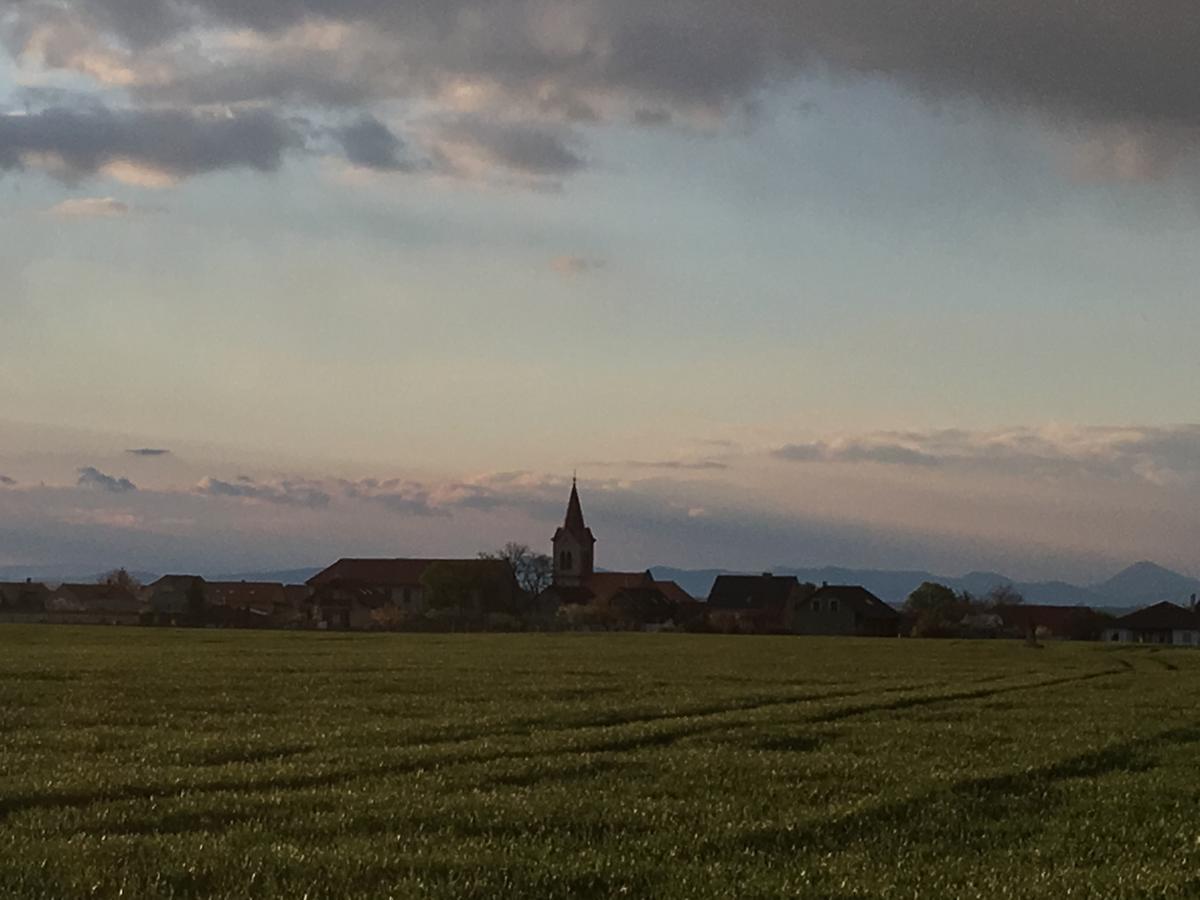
251	604
585	597
93	604
762	604
22	600
1163	623
844	609
377	593
1031	620
175	601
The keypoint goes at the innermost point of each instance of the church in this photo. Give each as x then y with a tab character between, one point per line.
577	583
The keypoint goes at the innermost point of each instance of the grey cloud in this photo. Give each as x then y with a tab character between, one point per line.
525	148
5	481
1166	455
371	144
283	493
403	497
177	143
683	465
1131	61
91	477
149	451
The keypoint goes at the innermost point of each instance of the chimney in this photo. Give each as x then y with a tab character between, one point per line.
30	581
1193	602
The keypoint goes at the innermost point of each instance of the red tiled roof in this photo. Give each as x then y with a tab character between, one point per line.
398	572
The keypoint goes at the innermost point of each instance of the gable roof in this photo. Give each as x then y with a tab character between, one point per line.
673	592
764	591
1163	616
857	598
400	572
175	582
23	594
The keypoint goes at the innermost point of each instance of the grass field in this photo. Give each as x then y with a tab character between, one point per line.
147	763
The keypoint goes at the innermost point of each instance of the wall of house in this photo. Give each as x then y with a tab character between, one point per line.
824	617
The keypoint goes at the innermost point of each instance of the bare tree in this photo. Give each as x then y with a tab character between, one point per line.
1003	595
534	571
120	578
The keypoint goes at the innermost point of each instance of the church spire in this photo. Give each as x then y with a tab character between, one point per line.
574	522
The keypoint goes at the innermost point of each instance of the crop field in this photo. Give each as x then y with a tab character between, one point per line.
154	763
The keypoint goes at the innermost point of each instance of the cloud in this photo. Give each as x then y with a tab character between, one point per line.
691	465
572	266
5	481
1165	455
284	493
76	143
473	146
90	208
91	477
149	451
487	64
404	497
371	144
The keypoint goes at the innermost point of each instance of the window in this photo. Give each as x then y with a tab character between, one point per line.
833	606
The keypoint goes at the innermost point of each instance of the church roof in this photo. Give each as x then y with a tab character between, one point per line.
574	524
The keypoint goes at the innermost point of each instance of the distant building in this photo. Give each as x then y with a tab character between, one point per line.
175	601
763	603
374	593
843	609
1072	623
603	599
93	604
255	604
24	600
1163	623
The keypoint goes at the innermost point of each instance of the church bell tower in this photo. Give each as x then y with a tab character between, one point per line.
574	546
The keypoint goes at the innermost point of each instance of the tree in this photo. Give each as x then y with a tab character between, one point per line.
534	571
452	589
1003	595
120	578
936	608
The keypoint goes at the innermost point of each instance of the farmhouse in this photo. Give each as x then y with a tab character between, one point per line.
22	600
175	600
843	609
1163	623
372	593
762	603
1072	623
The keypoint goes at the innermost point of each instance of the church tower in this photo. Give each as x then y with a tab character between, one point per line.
574	546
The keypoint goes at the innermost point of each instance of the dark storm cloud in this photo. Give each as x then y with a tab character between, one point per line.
80	142
371	144
1122	60
91	477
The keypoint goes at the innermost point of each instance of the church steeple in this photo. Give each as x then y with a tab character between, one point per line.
574	545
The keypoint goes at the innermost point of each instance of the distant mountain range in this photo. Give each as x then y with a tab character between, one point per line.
1139	585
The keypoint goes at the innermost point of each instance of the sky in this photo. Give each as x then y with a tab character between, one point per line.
873	283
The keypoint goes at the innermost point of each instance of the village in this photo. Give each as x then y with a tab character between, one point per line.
520	590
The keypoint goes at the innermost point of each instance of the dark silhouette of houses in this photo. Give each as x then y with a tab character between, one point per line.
93	604
255	604
1162	623
844	609
758	603
1038	621
375	593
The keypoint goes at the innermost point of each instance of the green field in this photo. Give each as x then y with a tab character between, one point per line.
148	763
